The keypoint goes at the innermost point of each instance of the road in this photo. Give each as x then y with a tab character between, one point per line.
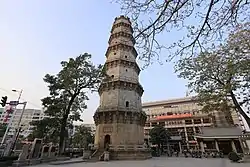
158	162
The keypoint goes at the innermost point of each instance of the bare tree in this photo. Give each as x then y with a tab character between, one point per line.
203	22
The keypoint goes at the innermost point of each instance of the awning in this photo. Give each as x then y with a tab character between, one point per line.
175	138
228	132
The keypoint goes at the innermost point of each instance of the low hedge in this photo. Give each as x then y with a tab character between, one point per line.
234	157
8	158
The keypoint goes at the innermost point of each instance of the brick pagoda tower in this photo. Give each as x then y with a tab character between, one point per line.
119	118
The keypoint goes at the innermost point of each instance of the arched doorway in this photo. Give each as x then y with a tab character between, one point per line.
106	140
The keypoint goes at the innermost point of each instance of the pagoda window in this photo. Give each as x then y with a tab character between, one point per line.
126	56
127	104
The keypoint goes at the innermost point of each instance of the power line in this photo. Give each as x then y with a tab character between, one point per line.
10	92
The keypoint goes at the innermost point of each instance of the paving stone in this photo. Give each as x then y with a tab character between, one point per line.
159	162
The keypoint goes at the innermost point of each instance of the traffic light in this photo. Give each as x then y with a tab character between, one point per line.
4	101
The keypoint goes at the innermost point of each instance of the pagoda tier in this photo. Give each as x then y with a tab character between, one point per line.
121	83
122	34
124	62
119	115
121	46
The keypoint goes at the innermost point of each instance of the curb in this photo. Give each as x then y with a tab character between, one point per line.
67	162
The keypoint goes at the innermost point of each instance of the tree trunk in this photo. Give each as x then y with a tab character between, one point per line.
62	133
240	110
159	148
63	125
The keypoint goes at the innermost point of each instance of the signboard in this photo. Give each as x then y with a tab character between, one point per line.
173	116
13	103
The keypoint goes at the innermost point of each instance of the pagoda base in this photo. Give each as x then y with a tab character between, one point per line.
130	155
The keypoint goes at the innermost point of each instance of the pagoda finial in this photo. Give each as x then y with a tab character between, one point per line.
123	17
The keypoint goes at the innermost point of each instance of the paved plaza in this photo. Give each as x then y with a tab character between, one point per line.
159	162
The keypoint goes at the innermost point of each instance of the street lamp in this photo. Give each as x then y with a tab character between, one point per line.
20	93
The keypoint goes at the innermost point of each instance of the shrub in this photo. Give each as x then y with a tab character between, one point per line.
8	158
233	156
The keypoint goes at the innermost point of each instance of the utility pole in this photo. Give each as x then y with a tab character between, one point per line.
13	114
14	104
9	124
10	146
18	129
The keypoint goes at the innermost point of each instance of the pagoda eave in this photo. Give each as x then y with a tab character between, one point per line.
118	84
125	63
122	47
122	34
120	24
114	115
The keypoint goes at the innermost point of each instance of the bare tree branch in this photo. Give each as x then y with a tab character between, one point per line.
202	24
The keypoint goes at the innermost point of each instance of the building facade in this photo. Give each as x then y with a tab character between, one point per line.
119	118
183	119
29	115
91	127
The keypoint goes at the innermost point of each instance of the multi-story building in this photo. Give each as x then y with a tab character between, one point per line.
184	119
92	128
28	116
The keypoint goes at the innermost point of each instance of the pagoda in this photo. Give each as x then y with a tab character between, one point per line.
119	118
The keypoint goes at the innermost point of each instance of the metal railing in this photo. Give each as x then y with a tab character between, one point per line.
136	109
127	147
123	78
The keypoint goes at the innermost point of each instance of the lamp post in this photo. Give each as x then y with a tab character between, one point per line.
20	93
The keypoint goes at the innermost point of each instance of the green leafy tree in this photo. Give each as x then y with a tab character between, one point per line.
47	129
159	135
199	23
221	77
68	91
82	137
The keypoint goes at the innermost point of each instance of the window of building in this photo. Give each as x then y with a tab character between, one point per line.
197	121
169	113
206	120
188	122
114	53
126	56
127	104
154	124
162	123
197	130
112	76
169	106
126	70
